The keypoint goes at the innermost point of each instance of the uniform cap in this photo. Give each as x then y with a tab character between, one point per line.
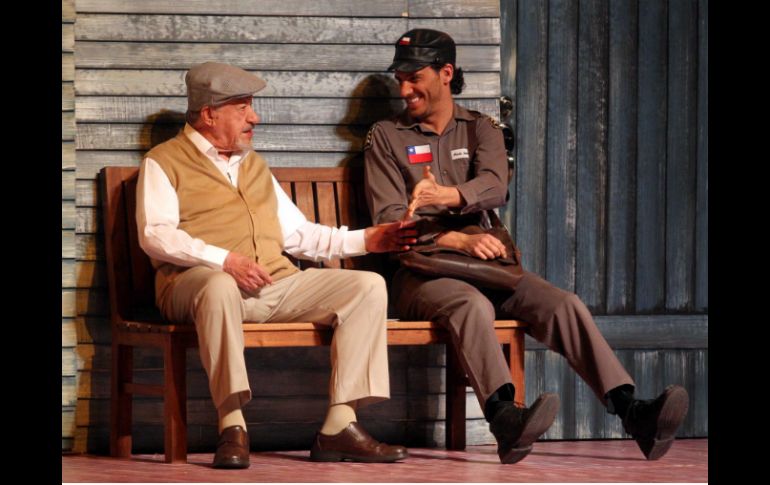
422	47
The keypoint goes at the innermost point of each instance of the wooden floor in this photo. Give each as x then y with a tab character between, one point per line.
555	461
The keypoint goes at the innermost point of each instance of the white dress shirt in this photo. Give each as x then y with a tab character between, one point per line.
157	218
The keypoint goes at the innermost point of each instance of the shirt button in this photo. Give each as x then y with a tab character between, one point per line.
444	172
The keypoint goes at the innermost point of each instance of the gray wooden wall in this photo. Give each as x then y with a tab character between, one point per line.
610	196
123	66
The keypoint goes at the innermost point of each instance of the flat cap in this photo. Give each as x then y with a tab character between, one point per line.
214	83
422	47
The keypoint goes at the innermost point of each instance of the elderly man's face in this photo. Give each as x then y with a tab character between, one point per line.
233	123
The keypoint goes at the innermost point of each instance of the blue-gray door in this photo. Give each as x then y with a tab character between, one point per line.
610	194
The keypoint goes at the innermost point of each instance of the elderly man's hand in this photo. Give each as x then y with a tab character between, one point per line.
429	192
391	236
249	275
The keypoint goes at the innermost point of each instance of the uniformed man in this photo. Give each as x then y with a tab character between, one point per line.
422	164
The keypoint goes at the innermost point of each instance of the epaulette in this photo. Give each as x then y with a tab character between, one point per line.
493	122
368	141
480	115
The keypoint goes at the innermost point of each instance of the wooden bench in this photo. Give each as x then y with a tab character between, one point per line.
332	196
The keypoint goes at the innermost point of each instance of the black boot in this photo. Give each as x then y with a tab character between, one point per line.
653	422
517	428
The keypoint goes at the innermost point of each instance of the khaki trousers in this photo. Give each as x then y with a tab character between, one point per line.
354	303
556	318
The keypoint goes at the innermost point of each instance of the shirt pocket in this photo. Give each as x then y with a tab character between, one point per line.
463	170
412	173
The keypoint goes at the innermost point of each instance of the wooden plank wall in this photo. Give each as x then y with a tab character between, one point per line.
325	67
610	197
69	338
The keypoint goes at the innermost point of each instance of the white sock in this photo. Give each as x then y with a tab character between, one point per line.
230	413
338	418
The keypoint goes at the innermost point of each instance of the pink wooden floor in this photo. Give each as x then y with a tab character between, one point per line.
555	461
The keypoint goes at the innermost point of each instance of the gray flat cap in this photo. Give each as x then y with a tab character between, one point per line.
213	83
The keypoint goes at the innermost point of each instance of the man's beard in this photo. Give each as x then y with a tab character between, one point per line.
243	145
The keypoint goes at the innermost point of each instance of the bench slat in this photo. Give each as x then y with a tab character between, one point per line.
393	325
317	174
304	202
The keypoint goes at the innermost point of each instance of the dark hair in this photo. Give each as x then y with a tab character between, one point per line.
457	83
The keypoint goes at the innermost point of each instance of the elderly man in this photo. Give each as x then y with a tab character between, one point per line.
452	162
215	223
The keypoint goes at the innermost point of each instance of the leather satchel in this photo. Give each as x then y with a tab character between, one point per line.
499	273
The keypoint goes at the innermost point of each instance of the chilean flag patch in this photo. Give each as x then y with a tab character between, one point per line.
419	154
404	41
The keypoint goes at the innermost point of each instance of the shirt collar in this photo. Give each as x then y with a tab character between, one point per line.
205	147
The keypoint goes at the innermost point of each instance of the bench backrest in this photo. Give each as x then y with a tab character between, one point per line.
332	196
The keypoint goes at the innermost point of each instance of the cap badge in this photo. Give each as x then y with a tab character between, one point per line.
404	41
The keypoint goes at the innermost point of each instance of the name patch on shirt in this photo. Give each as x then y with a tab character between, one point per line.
419	154
460	153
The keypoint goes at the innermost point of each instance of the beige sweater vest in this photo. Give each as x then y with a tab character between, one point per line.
243	219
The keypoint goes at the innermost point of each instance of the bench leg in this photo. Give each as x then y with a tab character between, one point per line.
514	354
175	401
455	401
120	402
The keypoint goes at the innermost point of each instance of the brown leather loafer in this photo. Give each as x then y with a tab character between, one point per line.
232	449
355	444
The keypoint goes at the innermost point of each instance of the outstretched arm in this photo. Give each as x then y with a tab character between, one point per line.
390	236
307	240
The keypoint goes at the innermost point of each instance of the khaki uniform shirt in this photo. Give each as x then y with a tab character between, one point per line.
392	168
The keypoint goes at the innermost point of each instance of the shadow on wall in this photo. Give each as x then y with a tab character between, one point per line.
161	127
373	99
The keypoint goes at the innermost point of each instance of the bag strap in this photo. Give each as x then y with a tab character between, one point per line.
473	141
473	144
494	219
